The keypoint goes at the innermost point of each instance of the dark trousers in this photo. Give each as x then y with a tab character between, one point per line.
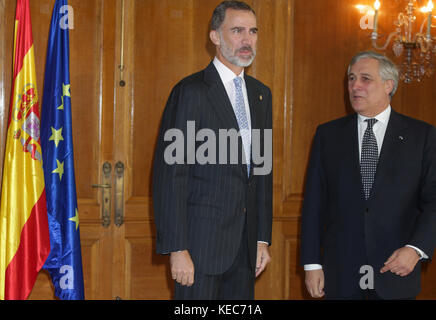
237	283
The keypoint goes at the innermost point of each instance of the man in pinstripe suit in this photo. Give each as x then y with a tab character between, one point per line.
215	219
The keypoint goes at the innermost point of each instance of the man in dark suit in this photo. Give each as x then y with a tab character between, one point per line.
214	217
369	213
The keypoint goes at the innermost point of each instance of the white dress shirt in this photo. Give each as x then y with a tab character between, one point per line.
227	77
379	129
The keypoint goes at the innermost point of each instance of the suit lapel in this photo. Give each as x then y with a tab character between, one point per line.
218	98
253	101
351	162
392	142
221	104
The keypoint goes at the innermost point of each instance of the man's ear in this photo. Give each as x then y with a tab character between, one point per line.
214	37
389	86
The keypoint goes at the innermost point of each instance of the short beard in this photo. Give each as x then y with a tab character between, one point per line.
226	51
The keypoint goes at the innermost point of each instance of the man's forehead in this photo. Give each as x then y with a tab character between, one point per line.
240	18
365	66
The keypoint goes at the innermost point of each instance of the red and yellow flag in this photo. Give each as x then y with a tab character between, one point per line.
24	235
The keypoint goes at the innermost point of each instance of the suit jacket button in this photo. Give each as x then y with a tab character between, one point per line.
244	210
366	210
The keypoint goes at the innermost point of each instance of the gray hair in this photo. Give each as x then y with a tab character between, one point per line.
387	69
219	14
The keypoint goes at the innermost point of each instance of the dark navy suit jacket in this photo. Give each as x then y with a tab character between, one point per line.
343	231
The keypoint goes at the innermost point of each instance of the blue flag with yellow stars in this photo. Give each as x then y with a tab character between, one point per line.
65	260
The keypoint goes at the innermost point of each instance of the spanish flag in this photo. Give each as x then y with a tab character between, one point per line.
24	233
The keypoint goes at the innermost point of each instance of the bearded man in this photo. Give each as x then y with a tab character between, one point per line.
214	219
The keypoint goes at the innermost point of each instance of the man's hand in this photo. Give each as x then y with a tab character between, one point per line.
315	283
263	257
182	268
401	262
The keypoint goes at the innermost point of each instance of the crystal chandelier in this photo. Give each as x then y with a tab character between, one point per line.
415	46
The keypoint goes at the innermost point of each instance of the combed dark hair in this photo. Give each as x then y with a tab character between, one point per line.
219	14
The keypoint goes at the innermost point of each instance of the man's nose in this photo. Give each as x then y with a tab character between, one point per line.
248	38
354	84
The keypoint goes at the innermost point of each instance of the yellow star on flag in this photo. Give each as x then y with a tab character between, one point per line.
65	93
56	136
66	90
61	107
59	169
75	219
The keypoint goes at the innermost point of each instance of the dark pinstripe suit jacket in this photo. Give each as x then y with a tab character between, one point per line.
203	207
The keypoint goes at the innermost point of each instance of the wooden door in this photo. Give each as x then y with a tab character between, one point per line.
92	72
92	64
159	49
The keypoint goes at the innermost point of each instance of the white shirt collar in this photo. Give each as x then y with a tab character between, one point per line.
382	117
225	73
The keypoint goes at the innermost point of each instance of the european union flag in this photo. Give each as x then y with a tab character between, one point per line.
65	260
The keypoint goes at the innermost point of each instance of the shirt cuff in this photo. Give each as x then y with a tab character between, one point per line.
422	253
310	267
263	242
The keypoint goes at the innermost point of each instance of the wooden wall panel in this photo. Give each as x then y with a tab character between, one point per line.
304	48
146	273
164	59
6	45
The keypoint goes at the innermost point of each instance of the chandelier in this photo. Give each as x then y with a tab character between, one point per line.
410	41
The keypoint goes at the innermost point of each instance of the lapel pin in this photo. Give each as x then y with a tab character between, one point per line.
260	97
401	138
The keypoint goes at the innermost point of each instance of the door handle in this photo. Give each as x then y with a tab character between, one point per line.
119	194
105	195
103	186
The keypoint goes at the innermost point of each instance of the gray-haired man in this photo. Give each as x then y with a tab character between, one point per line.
369	211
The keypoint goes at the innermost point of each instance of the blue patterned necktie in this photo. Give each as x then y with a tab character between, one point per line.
241	117
369	158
